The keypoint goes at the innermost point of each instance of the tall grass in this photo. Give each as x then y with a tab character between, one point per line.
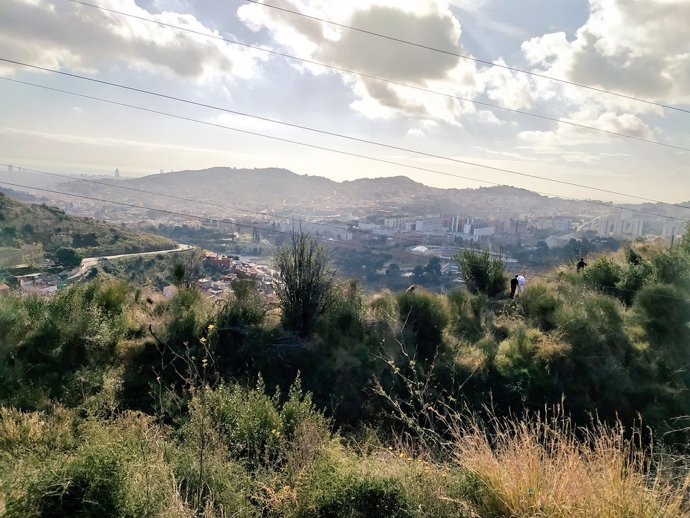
544	467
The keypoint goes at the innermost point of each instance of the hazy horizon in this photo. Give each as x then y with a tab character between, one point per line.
630	48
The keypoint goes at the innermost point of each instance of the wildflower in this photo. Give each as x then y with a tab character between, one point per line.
412	363
211	327
402	455
409	459
202	340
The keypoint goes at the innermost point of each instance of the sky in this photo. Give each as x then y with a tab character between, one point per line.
638	48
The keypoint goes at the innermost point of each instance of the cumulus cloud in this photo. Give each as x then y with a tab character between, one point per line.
82	38
637	47
428	22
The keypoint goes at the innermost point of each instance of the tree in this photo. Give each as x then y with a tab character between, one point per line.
433	268
482	272
67	257
306	282
576	249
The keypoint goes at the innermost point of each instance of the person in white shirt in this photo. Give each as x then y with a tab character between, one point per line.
521	284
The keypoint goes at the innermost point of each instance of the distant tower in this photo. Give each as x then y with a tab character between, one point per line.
117	173
10	168
161	172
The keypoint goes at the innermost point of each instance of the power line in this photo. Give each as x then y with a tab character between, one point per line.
174	197
171	212
346	137
323	148
294	219
377	78
470	58
255	227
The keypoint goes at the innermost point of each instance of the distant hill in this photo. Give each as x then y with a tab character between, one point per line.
24	224
283	191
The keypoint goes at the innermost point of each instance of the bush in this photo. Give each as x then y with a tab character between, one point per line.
117	470
603	275
306	282
540	306
252	425
334	491
482	272
470	314
247	310
345	310
424	318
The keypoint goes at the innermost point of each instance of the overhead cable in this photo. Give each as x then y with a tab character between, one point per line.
467	57
341	152
337	135
384	80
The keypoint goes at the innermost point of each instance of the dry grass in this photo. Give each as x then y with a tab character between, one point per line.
544	468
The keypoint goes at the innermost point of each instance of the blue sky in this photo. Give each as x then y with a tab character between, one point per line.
630	46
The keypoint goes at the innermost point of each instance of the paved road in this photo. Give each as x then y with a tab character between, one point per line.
88	262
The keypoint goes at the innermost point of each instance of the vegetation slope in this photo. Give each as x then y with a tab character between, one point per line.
27	231
568	401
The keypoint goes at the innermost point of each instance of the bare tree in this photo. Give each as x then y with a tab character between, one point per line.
306	282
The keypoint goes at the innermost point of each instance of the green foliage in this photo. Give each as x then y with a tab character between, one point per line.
67	257
46	341
540	306
306	282
114	471
52	228
603	275
345	310
530	359
343	495
252	425
483	272
246	310
470	314
424	318
664	312
672	267
638	273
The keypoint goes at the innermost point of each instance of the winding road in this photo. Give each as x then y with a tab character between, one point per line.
88	262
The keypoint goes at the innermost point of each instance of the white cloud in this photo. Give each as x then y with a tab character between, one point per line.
85	39
427	22
510	89
634	47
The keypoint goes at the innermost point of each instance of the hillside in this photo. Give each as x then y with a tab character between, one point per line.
280	189
117	401
23	224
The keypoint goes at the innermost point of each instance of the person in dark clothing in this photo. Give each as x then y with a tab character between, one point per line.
513	286
581	264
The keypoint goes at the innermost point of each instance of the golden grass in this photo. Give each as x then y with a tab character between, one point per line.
543	468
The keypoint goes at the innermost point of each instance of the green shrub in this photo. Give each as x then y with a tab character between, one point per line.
470	314
247	310
117	470
335	492
540	306
345	310
672	267
639	273
251	424
482	272
424	318
603	275
664	313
